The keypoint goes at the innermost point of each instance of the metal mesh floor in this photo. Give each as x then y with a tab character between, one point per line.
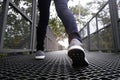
57	66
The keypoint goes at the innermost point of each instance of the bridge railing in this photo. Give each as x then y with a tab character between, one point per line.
101	32
18	22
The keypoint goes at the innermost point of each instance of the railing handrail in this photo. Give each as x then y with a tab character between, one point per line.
95	15
32	20
92	34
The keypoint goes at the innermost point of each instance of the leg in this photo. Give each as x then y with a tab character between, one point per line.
75	51
67	18
43	6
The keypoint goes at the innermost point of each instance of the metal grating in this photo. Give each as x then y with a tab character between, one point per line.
57	66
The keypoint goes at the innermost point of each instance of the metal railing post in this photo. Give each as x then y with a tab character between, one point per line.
88	30
33	27
3	21
98	45
114	23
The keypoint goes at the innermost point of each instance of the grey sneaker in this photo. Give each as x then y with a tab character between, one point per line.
77	53
40	55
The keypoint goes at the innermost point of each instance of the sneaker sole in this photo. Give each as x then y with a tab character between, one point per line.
78	57
40	57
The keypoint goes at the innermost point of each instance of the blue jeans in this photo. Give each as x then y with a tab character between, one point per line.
64	14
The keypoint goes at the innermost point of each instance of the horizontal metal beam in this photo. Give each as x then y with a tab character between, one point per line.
14	50
98	30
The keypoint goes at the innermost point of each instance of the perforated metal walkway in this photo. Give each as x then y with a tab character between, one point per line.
57	66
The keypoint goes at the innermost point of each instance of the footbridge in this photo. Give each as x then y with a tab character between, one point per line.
100	35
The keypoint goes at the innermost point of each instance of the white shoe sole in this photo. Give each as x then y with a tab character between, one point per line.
76	47
77	54
39	57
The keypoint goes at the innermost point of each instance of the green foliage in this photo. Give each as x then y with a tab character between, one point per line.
104	15
75	10
105	35
17	28
58	28
79	9
80	14
57	25
3	55
106	38
95	5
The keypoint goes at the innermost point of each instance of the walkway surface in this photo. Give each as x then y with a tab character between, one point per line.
57	66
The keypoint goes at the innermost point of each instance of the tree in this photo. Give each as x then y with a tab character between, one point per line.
104	15
95	5
17	28
105	35
79	13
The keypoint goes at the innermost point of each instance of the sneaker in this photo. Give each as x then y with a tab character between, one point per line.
77	53
40	55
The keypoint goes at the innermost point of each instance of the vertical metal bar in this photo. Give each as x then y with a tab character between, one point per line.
3	21
88	30
34	23
114	23
98	47
33	28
